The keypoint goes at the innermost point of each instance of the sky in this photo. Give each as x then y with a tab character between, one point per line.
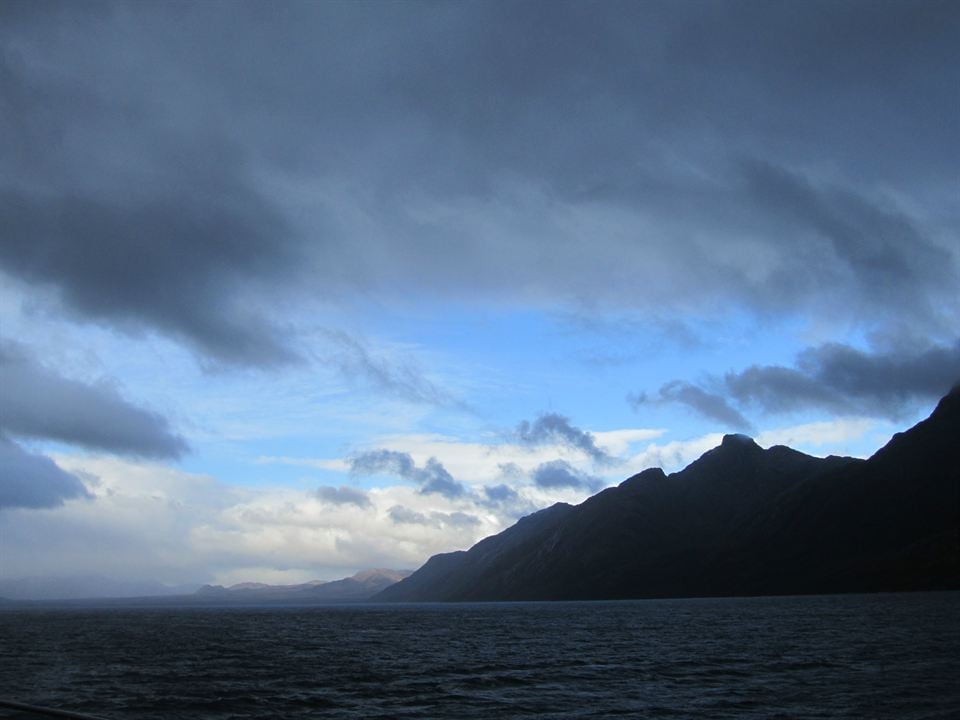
289	290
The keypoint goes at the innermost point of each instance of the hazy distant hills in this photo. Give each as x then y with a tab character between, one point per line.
361	586
95	590
84	586
741	520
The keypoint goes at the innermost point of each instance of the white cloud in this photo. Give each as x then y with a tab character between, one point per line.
147	521
838	436
619	442
671	456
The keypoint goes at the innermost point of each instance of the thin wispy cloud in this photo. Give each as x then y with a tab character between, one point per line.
398	378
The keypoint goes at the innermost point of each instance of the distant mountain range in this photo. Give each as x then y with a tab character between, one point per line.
741	520
359	587
77	587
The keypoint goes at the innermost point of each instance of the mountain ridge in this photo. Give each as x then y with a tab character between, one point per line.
357	588
739	520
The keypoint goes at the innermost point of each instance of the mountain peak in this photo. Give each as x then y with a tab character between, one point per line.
738	440
642	478
740	520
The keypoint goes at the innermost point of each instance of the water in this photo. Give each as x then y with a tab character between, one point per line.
879	656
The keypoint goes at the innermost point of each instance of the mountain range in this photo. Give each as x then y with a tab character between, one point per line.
358	587
94	590
78	587
740	520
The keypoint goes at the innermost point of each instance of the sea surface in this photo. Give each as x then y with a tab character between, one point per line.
863	656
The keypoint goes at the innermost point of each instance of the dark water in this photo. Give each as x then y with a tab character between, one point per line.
881	656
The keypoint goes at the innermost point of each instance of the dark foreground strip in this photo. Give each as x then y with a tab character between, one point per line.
49	712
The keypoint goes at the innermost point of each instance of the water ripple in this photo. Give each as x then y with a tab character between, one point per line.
884	656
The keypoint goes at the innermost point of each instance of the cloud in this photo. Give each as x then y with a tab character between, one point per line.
706	403
510	470
500	493
380	461
36	402
344	495
176	256
400	379
405	516
671	456
561	474
835	377
191	184
552	428
843	379
831	433
432	478
34	481
30	480
152	522
870	244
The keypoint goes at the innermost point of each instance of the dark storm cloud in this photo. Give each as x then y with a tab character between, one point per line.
170	263
343	495
28	480
433	477
561	474
833	377
176	167
133	219
874	247
38	403
708	404
552	428
843	379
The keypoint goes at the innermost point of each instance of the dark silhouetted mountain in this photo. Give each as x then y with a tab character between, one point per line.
740	520
463	574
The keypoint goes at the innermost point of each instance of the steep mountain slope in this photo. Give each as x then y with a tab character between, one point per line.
890	523
740	520
468	574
